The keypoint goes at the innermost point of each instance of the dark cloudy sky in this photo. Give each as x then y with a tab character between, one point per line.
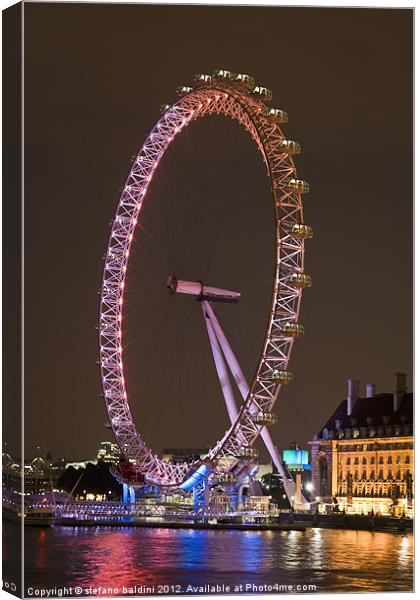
95	76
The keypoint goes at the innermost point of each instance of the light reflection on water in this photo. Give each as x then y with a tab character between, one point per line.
115	557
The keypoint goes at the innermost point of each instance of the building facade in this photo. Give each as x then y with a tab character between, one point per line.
108	452
363	459
37	476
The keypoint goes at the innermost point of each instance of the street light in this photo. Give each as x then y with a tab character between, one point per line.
309	486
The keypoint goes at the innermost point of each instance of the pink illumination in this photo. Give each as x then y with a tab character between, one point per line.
251	113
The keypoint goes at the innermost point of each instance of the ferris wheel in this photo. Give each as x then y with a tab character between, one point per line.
235	96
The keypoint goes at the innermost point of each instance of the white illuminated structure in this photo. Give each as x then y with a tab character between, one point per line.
234	96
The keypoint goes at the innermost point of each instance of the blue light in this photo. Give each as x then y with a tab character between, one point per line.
197	477
295	457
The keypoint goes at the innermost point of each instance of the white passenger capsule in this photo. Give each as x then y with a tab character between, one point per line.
184	89
202	78
280	377
300	280
244	80
277	115
248	452
164	107
264	92
264	418
289	147
302	231
298	185
293	329
222	74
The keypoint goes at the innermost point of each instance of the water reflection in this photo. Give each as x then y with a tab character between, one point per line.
405	550
116	557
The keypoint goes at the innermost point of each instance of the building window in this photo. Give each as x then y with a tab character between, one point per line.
389	474
372	475
356	460
348	461
364	476
407	460
364	461
372	460
398	475
381	460
356	476
398	460
381	475
389	461
323	476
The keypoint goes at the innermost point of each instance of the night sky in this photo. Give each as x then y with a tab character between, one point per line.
95	76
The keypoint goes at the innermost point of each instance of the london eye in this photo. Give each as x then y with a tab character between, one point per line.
236	96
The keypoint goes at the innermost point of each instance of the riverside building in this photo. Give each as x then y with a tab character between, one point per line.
362	459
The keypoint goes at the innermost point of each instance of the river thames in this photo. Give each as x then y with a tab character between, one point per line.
141	560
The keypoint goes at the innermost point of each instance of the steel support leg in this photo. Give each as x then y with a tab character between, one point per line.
220	368
288	483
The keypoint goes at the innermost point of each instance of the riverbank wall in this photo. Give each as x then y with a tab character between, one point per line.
285	522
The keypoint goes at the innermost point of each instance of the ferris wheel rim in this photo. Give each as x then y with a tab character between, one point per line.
250	113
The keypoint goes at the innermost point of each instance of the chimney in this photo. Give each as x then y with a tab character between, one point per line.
370	390
352	394
400	389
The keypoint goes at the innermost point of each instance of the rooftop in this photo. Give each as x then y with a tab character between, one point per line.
375	413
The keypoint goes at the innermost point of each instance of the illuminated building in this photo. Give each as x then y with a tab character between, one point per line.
37	475
108	452
258	504
221	502
180	455
80	464
362	459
